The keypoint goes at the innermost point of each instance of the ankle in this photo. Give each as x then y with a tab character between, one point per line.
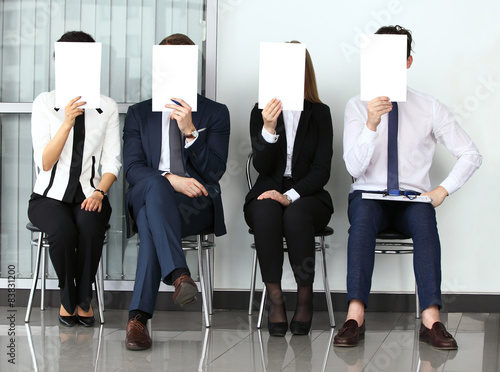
356	312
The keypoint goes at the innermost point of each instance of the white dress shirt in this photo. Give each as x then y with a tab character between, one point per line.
291	119
423	120
164	164
102	145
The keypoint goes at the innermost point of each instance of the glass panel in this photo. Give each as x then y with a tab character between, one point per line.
127	31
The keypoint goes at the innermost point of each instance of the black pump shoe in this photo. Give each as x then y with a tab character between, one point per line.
86	321
68	321
277	329
300	328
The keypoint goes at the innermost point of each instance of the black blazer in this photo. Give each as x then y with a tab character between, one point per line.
204	160
312	154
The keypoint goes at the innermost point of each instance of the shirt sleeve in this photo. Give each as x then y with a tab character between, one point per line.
270	138
40	129
359	141
448	132
294	195
111	147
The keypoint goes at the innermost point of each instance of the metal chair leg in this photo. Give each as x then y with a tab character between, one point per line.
35	279
208	282
262	306
417	304
44	275
252	282
99	288
202	282
326	285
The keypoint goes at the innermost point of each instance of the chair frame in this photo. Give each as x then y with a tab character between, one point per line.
41	243
320	246
393	242
205	242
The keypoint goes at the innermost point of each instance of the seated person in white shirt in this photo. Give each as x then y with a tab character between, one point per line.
422	120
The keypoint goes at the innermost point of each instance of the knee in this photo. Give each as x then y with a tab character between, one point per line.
265	213
157	188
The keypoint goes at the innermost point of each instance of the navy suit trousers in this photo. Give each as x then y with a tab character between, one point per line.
165	216
418	220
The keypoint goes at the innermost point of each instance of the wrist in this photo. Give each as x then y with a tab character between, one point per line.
99	191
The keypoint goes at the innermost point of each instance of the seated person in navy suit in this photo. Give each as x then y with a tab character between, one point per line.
412	127
173	162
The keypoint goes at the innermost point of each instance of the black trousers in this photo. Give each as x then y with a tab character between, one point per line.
75	237
297	223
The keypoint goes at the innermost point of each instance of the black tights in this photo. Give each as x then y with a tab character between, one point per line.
303	310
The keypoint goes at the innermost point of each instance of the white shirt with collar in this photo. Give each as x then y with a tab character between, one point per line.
102	145
423	121
291	119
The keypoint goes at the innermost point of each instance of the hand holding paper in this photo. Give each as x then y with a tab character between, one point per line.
72	110
270	115
181	113
376	108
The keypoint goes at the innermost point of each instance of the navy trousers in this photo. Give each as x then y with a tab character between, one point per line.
165	216
418	220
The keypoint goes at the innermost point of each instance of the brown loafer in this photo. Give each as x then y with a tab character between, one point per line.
438	337
350	334
185	290
137	336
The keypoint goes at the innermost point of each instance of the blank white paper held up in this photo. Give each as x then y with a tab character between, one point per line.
78	73
383	67
175	75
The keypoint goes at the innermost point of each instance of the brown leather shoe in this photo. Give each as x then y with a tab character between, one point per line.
185	290
438	337
350	334
137	336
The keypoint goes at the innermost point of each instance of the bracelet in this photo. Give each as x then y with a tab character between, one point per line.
102	192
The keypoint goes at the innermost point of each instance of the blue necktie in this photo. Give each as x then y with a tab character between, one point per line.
392	152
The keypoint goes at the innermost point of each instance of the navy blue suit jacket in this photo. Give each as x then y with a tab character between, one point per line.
204	160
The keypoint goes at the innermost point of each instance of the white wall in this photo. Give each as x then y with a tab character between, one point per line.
457	46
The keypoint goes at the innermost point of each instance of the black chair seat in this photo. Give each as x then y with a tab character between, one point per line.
392	234
35	229
327	231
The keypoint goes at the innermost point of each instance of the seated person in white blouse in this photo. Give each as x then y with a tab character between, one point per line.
69	201
423	120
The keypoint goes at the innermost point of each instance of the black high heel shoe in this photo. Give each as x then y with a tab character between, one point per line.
86	321
68	321
277	329
300	328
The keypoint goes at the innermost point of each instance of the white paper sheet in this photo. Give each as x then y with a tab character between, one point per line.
383	67
418	199
175	75
281	74
78	73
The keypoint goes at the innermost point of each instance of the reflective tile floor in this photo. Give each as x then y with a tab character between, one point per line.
182	343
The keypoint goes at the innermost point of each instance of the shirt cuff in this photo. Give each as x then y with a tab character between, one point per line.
367	135
188	144
268	137
294	195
